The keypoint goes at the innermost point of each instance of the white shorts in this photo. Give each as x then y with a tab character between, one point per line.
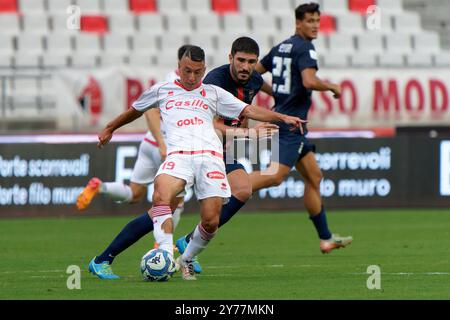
205	171
147	163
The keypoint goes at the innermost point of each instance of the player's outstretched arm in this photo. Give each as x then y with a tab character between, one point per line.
311	81
262	114
126	117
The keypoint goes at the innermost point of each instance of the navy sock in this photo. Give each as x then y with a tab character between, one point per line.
320	222
228	211
129	235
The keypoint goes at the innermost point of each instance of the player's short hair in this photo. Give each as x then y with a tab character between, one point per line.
305	8
194	53
182	50
245	44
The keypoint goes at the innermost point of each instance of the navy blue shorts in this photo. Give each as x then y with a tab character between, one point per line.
230	167
293	147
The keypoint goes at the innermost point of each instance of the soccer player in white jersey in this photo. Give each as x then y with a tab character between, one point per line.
194	151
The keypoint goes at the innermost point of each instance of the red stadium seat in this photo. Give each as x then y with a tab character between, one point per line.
327	24
94	23
143	6
8	6
360	6
224	6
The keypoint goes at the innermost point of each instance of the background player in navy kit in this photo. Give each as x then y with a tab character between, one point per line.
293	64
240	79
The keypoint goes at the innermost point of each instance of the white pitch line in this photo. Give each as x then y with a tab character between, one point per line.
406	273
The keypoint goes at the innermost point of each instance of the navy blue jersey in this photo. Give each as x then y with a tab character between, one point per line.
221	77
286	61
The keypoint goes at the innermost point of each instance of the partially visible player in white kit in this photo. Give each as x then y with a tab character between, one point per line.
194	150
152	152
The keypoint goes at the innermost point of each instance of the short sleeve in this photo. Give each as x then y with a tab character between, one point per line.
307	57
228	106
267	61
147	100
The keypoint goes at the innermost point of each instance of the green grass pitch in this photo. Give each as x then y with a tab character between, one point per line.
256	256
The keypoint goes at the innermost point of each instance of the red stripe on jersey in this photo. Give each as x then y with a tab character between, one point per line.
214	153
151	142
178	83
240	93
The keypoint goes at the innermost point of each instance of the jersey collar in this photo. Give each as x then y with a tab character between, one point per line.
178	83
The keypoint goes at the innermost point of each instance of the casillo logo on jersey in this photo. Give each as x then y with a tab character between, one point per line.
215	175
190	122
196	103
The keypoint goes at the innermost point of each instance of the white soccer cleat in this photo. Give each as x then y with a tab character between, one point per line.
187	269
335	242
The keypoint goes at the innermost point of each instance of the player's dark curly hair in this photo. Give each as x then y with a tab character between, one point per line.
194	53
302	9
245	44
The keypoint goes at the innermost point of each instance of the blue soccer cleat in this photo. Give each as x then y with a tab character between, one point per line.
102	270
181	245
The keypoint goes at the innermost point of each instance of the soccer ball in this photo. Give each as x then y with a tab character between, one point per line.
157	265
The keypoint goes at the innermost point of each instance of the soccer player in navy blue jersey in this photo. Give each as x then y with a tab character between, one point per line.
293	64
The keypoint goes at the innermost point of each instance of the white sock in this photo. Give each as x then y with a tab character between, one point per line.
199	241
176	216
159	215
117	191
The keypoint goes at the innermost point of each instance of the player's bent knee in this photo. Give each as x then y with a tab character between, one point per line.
243	194
210	225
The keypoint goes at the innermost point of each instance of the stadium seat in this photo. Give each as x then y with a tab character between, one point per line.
179	23
235	23
8	6
426	42
370	43
327	24
27	59
320	44
36	24
342	43
55	60
442	59
60	24
365	60
112	60
263	25
60	43
225	41
89	7
391	60
407	22
338	60
170	42
350	23
360	6
141	60
84	60
391	6
29	43
151	24
116	43
280	8
419	60
94	24
335	7
116	7
170	6
7	42
205	41
123	23
32	6
398	43
9	23
224	6
58	7
145	43
143	6
252	7
199	7
87	43
207	24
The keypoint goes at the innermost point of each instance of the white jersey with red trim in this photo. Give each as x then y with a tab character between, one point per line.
188	114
